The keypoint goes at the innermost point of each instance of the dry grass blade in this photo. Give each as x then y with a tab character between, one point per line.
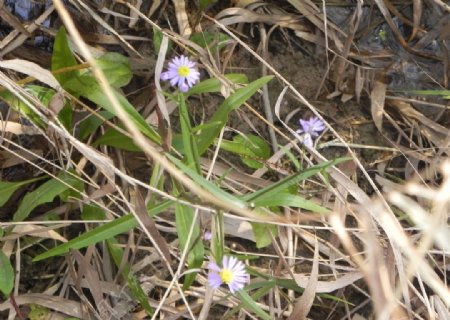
305	302
68	307
182	18
31	69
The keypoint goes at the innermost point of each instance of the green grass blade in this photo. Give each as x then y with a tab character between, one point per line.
8	188
251	305
103	232
282	185
213	85
45	193
289	200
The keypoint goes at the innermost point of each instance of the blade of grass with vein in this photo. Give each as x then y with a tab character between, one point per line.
106	231
8	188
45	193
207	185
250	304
213	85
207	136
282	185
289	200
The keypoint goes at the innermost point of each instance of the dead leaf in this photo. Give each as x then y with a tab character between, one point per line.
32	69
377	99
150	225
305	302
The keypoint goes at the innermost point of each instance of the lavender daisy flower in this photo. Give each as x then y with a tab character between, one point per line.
182	73
232	274
310	129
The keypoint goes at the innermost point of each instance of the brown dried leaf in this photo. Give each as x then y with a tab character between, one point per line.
150	225
10	159
377	99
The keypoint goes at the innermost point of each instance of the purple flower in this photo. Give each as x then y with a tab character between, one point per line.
182	73
310	129
232	273
207	235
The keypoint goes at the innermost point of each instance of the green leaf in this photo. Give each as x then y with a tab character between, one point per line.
184	217
189	144
207	137
214	41
103	232
116	68
8	188
207	185
6	275
264	233
117	139
251	305
92	122
280	186
214	85
88	87
289	200
92	212
63	57
250	148
44	193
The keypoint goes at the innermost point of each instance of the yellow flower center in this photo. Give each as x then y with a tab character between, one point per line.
183	71
226	276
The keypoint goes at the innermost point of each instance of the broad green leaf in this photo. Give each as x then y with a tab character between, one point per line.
117	139
44	193
6	275
207	137
264	233
251	305
287	182
103	232
116	68
92	122
289	200
63	57
250	148
92	212
213	85
184	217
8	188
136	289
87	86
214	41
